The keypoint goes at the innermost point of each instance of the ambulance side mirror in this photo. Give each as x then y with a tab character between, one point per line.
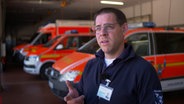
60	46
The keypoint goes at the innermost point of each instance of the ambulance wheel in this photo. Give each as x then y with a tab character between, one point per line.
43	69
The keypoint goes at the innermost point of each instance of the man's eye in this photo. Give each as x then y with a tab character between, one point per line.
109	27
97	28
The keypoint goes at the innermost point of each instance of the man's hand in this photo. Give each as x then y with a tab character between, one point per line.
73	96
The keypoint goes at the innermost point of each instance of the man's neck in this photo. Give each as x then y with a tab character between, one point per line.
115	54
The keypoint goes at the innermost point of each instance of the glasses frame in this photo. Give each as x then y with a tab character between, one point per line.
107	27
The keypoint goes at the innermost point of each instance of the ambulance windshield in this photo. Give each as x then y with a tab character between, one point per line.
90	47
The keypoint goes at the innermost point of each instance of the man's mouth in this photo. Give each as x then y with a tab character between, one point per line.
104	42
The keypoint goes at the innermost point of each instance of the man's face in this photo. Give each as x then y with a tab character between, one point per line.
109	33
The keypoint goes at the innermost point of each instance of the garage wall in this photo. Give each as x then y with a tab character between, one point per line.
1	29
1	24
162	12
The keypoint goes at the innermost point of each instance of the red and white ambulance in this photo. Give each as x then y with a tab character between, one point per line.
162	47
51	30
38	59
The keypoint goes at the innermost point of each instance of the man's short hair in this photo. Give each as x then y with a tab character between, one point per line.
120	16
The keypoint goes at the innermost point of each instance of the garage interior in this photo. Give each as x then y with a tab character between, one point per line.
19	19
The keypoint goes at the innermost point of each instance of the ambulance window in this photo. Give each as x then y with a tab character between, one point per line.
139	43
89	47
51	42
33	37
169	43
76	42
43	39
84	39
71	42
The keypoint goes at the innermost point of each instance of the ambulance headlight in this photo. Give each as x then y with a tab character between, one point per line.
33	58
21	50
70	76
24	53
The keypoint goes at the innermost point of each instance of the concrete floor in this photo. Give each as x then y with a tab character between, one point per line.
22	88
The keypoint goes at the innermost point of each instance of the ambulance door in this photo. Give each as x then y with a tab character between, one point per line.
170	59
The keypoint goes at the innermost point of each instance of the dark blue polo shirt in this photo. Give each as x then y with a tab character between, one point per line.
133	79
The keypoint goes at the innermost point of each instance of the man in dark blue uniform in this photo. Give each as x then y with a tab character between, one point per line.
117	75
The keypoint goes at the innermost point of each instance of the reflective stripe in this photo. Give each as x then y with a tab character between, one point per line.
170	64
50	56
174	64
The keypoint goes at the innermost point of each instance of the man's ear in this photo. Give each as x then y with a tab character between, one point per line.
125	27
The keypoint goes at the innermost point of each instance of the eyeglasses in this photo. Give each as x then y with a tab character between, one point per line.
109	27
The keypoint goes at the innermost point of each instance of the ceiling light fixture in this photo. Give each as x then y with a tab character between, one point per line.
112	2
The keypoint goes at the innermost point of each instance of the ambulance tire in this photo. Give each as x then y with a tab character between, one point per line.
43	69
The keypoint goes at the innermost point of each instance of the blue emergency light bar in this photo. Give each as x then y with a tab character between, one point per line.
71	32
141	24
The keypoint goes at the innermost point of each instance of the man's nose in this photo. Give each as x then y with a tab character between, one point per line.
103	31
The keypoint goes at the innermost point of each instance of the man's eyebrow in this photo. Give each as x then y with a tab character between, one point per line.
105	24
97	25
109	23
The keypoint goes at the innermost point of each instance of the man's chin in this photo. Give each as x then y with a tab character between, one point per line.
105	49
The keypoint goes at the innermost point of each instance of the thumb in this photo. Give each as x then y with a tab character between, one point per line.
72	91
69	85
